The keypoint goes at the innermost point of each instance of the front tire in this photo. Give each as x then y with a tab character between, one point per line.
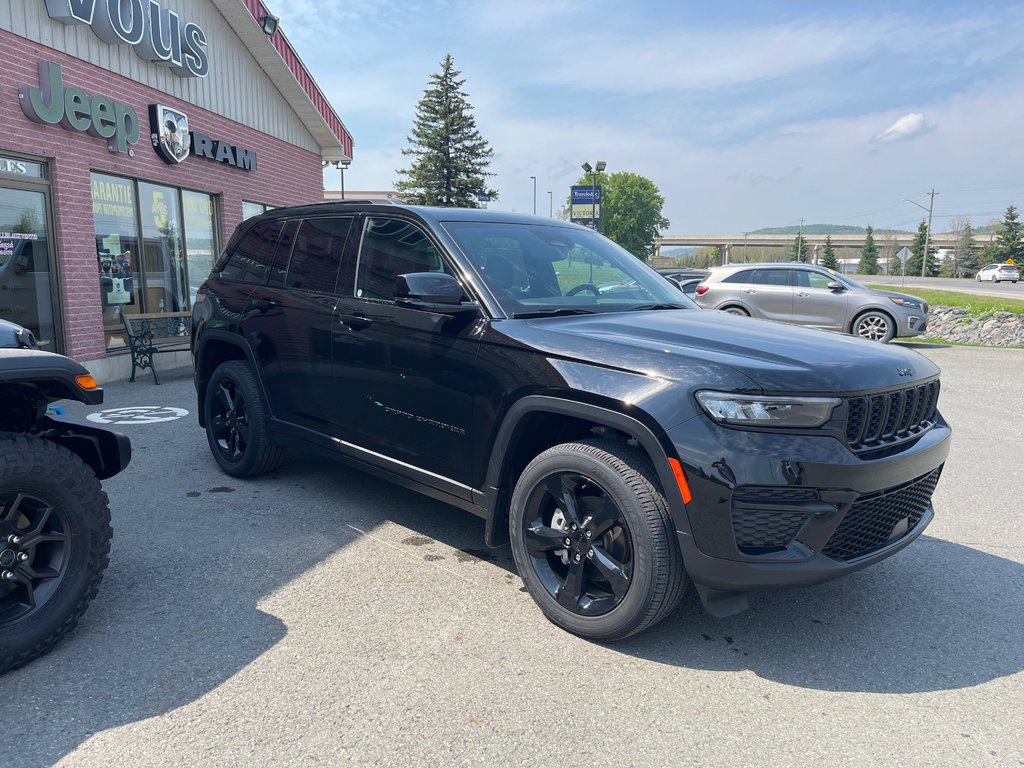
236	423
734	310
593	540
54	545
874	326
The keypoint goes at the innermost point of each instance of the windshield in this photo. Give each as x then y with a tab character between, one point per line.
535	269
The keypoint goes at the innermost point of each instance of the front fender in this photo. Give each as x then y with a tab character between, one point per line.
106	452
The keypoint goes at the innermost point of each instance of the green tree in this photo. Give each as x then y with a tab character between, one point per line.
630	210
798	251
965	250
1010	240
450	157
917	254
828	255
868	264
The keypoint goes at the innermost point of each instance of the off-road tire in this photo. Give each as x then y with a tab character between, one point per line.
234	381
46	471
625	474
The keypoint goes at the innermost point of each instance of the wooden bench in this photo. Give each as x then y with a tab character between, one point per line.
149	334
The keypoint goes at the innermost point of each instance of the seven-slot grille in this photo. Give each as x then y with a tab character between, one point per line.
878	421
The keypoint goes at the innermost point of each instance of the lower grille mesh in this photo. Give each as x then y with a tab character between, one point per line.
872	519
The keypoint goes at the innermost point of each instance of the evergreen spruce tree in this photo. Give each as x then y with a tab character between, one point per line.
917	254
828	255
450	157
798	251
868	255
1010	239
965	252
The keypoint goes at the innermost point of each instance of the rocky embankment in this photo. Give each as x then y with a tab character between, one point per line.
994	329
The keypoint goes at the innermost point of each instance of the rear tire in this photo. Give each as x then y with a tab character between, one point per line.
621	571
236	423
54	545
734	310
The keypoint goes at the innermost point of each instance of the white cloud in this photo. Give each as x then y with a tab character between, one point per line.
906	127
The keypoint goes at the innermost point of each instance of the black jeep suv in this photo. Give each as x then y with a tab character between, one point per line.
623	440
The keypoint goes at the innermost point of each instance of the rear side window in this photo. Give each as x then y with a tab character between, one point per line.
318	253
771	277
743	276
251	259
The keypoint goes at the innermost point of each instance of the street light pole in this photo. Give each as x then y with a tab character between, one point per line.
534	195
595	221
551	206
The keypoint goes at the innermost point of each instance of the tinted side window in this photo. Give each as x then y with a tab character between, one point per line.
771	277
392	247
251	259
743	276
807	279
318	253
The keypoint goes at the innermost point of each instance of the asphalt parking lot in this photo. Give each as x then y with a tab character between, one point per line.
320	617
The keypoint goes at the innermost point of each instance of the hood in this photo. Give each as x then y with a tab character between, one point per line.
880	294
682	345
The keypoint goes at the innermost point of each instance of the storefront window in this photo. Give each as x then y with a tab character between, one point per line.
254	209
200	243
160	269
25	282
163	255
117	247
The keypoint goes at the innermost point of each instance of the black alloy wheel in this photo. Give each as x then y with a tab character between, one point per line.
236	423
579	543
594	541
34	552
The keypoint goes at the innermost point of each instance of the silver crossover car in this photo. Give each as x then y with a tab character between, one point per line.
804	294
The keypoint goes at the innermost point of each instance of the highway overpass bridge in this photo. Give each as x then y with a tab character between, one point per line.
732	247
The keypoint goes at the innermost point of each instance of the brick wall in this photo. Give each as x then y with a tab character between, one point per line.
285	174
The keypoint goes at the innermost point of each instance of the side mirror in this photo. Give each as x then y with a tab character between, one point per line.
433	292
836	286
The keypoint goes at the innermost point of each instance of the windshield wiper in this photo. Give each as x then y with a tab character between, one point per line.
658	306
552	312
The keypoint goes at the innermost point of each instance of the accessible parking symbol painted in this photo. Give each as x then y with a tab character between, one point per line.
138	414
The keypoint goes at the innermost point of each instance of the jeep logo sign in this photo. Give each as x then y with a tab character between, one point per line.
71	108
156	34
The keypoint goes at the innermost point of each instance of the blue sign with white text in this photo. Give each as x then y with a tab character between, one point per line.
585	194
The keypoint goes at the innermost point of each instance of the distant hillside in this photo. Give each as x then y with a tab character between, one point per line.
826	229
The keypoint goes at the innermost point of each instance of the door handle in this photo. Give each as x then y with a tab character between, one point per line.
804	294
264	305
750	290
356	322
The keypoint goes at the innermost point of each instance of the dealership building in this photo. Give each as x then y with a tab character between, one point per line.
135	135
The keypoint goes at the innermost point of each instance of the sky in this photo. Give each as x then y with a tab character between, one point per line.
744	114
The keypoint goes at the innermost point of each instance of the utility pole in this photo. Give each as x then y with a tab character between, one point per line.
534	195
928	233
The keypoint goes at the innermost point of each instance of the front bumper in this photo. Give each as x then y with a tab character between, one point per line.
774	511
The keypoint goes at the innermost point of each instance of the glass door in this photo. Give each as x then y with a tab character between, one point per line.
26	282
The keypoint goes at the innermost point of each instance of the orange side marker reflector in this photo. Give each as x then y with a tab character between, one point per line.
684	488
86	381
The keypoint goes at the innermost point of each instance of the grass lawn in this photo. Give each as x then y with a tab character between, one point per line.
976	305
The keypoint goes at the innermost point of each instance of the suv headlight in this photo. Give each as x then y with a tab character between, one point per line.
767	410
908	303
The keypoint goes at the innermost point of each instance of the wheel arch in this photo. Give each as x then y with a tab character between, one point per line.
537	422
880	310
213	348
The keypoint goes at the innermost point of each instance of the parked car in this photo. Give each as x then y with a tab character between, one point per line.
812	296
998	273
623	442
688	286
54	518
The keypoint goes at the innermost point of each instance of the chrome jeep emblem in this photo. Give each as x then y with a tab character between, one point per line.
905	371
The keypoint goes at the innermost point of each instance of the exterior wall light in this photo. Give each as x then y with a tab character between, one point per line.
269	24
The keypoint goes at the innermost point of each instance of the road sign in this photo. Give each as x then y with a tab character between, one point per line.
903	254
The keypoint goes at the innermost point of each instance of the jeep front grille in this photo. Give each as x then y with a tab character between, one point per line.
889	418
